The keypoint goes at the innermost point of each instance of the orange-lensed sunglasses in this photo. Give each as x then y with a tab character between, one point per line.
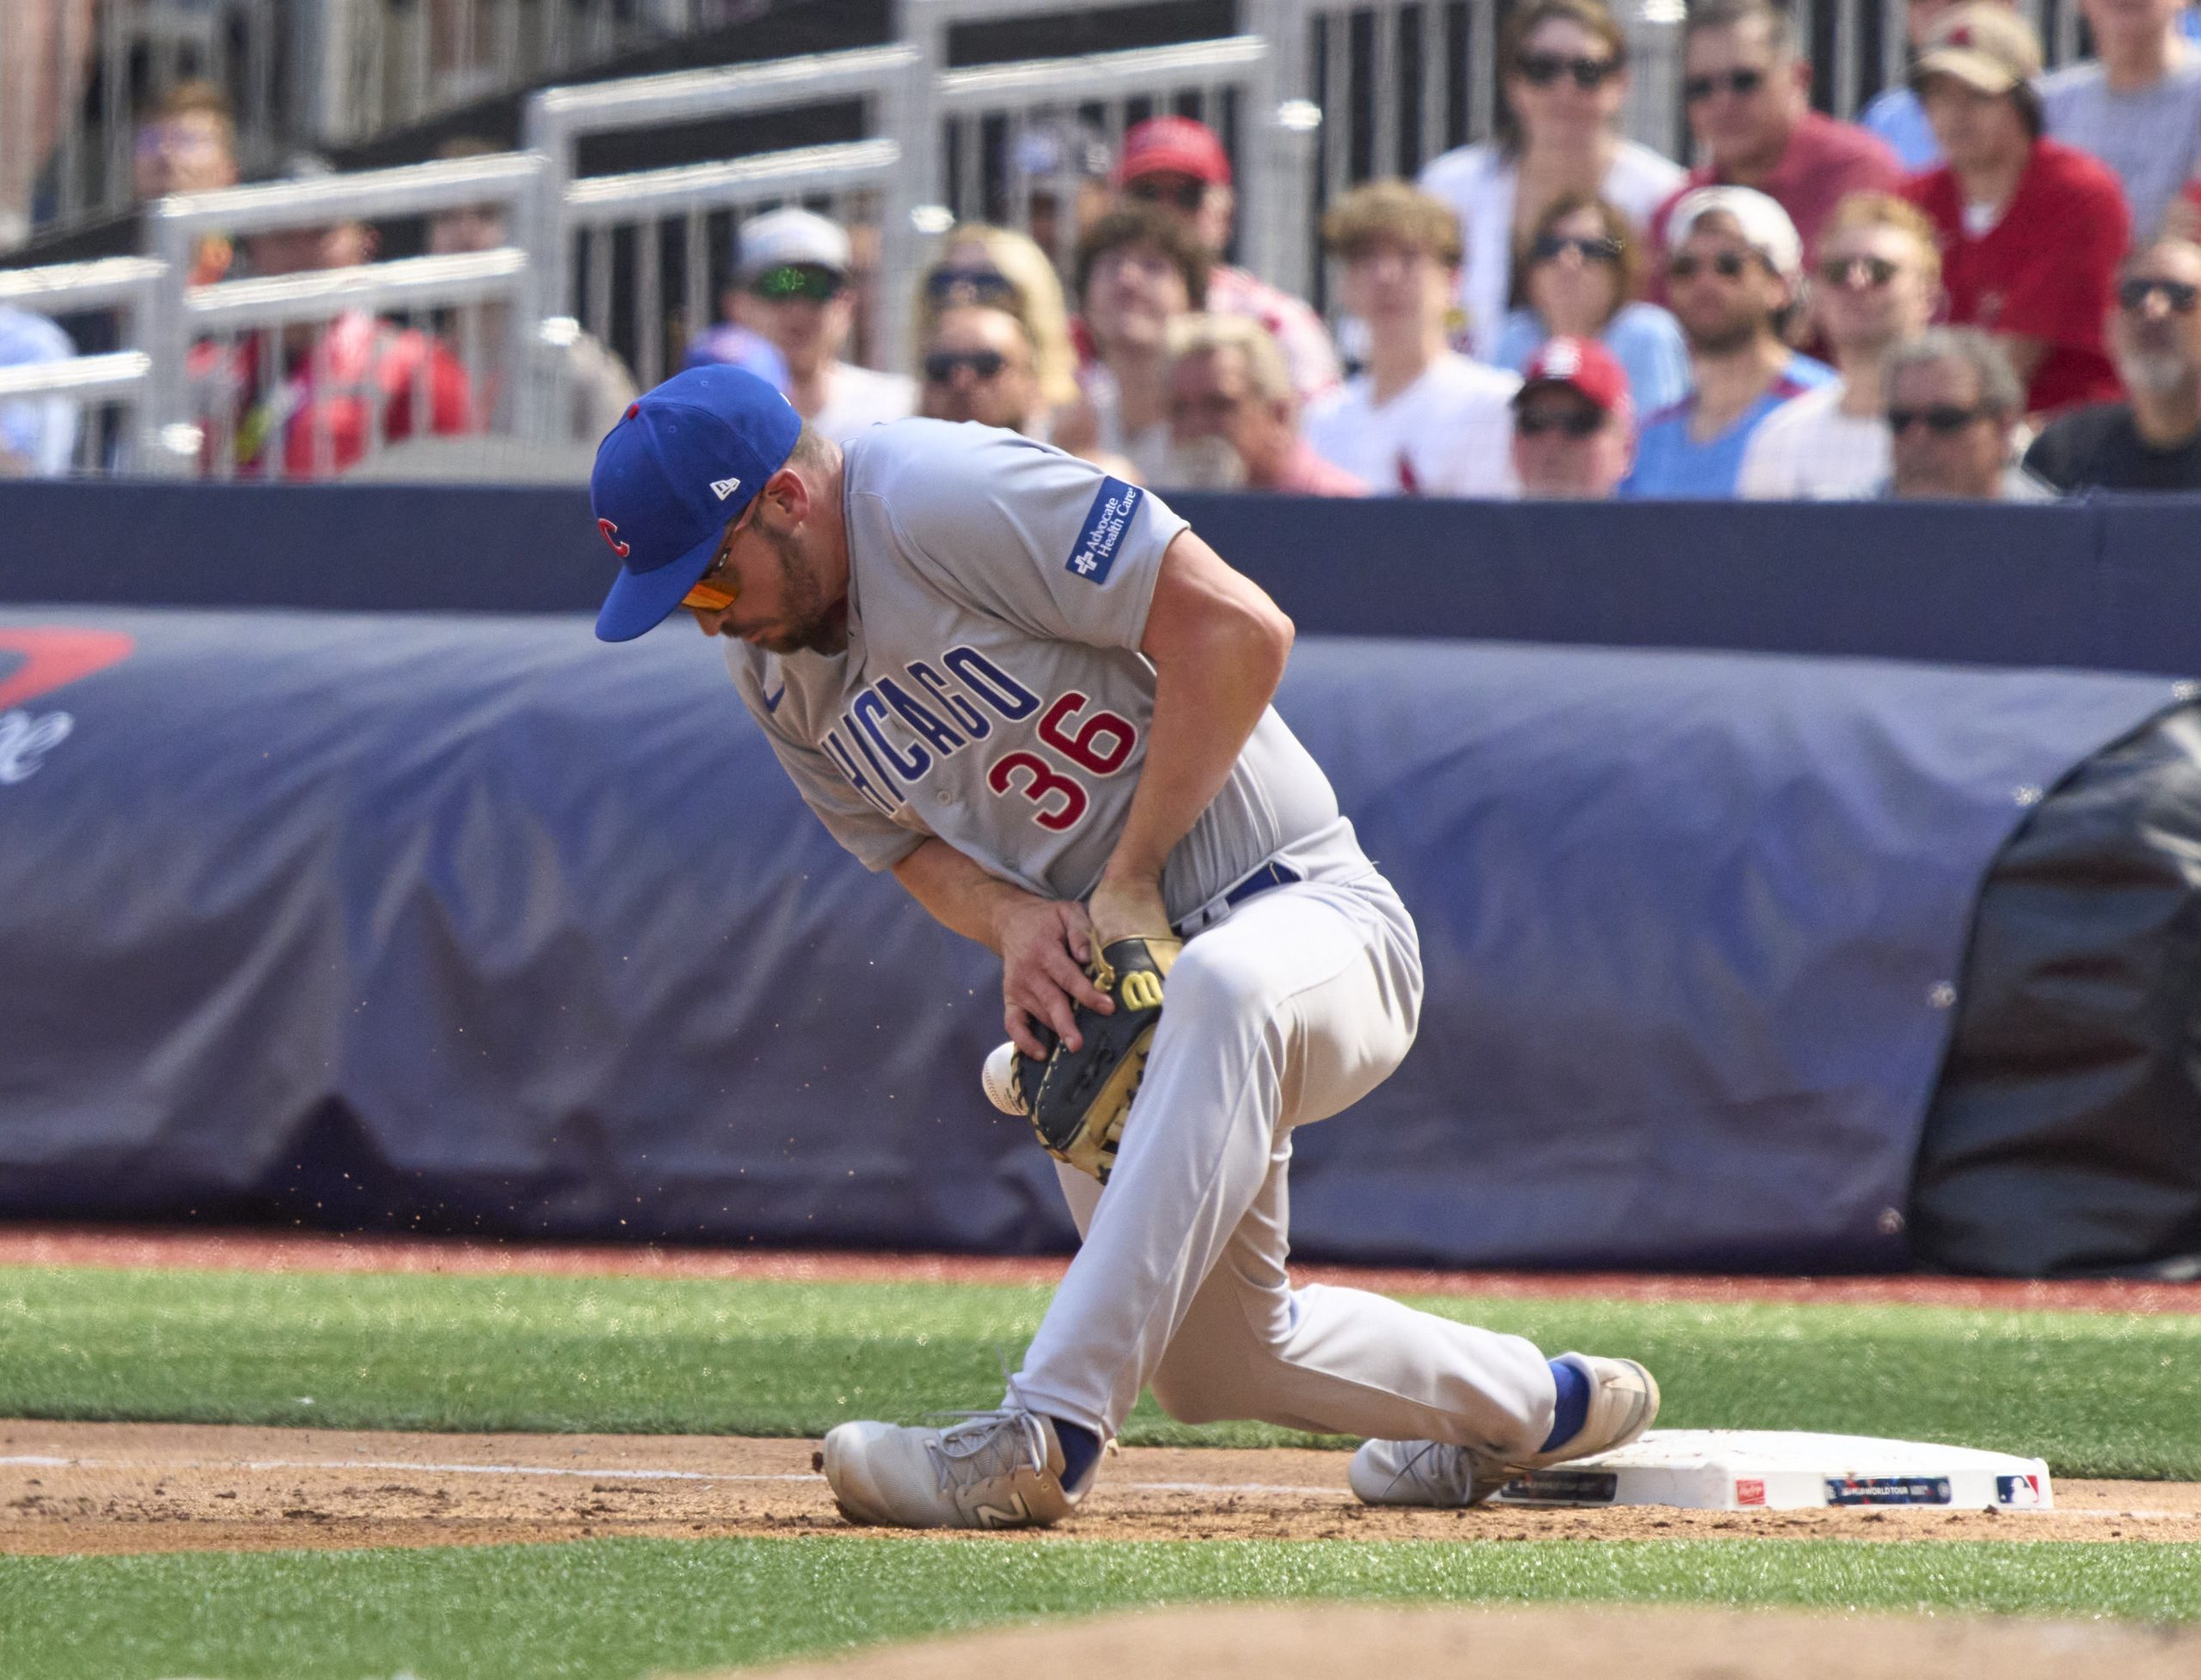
705	596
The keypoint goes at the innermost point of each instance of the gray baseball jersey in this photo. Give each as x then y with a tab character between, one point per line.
992	692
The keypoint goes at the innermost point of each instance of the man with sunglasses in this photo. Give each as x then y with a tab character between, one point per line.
1747	91
1876	285
2032	230
1730	281
792	286
1033	693
1573	426
1179	166
977	366
1955	405
2151	441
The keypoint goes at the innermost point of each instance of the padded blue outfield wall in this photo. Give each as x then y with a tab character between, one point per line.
467	922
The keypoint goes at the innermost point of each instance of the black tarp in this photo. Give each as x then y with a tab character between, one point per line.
2066	1133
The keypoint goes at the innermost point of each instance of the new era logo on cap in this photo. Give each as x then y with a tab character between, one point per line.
686	460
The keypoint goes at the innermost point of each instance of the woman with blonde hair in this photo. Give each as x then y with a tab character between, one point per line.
979	263
1564	65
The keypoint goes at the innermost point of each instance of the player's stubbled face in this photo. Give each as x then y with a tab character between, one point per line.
779	605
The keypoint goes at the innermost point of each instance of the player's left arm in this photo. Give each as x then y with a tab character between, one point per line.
1218	646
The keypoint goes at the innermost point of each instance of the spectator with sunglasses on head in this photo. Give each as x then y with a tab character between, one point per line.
1954	406
1178	167
1558	137
1876	285
977	366
2152	441
1573	426
1733	276
2031	230
1577	277
791	288
1747	91
1000	269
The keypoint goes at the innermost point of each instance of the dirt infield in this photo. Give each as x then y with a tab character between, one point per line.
1321	1641
309	1251
140	1487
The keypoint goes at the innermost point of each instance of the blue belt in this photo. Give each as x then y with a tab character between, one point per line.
1268	875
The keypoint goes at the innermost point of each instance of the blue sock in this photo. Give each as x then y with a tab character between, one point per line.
1574	1405
1081	1449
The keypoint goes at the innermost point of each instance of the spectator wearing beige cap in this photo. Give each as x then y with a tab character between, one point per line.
2031	230
1876	285
1954	406
1179	166
1420	418
1573	426
1234	417
791	271
1732	281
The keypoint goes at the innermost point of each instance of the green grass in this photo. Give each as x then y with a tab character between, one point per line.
2094	1394
612	1609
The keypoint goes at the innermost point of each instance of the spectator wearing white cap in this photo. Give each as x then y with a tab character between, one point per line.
1573	426
1876	285
791	285
1733	271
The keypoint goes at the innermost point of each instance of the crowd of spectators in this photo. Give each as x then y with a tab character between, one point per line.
1986	286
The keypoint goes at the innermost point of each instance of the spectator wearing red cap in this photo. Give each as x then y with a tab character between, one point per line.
1179	165
1746	86
2031	230
1573	426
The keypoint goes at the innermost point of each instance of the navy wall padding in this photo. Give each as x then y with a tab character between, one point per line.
476	925
2103	584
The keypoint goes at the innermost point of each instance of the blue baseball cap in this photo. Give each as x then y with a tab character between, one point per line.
680	464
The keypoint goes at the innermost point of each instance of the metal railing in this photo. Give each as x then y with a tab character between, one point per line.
233	349
113	385
677	221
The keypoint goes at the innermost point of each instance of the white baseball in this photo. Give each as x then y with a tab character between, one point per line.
999	1079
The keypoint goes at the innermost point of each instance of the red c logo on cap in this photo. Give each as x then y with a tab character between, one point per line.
611	535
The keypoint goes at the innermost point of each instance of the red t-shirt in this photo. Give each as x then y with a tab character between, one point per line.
2046	271
1825	161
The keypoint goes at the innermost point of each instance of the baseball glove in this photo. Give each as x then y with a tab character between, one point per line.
1078	1100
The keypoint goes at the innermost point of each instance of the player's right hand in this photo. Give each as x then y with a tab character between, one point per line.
1044	945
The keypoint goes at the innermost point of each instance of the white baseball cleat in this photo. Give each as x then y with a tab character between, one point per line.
1623	1402
993	1470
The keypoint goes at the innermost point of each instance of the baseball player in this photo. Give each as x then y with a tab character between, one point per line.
1035	693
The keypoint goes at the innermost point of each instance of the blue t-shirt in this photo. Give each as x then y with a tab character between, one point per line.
1644	339
1897	117
1670	466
